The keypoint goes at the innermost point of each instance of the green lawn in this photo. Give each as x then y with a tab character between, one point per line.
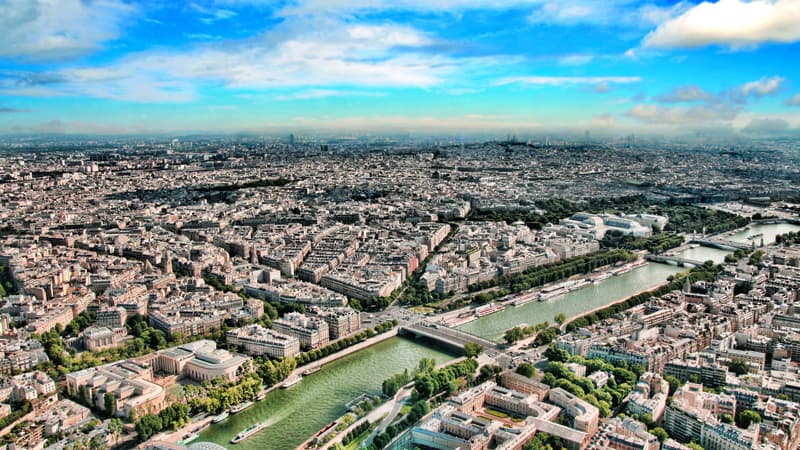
496	413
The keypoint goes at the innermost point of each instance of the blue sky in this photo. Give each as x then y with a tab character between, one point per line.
610	66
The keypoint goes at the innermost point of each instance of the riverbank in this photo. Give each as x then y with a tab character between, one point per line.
464	315
622	300
342	353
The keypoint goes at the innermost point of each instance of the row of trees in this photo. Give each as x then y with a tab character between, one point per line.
392	384
356	432
448	379
539	276
313	355
657	243
172	417
787	239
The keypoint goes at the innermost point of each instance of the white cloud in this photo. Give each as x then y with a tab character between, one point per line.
561	81
688	93
325	93
766	125
656	114
575	60
736	24
45	30
327	7
603	121
333	54
763	87
212	15
560	12
793	100
629	13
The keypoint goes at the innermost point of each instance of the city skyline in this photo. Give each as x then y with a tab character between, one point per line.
614	67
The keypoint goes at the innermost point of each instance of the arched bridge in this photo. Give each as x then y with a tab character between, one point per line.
448	336
674	259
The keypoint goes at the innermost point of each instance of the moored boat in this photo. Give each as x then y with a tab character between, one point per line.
289	383
490	308
312	370
624	269
249	431
221	417
188	438
241	407
551	293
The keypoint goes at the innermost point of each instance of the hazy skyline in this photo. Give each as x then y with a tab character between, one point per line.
612	66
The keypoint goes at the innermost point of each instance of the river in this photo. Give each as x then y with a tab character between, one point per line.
493	326
300	411
769	232
704	254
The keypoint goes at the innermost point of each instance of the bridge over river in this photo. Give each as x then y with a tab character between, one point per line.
667	259
447	336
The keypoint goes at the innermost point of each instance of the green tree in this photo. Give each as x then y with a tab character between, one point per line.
738	366
674	383
513	335
115	427
83	395
560	318
527	370
110	401
554	354
694	446
148	425
660	433
472	350
747	417
489	371
426	365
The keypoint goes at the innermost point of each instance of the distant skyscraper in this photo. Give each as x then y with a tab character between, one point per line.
291	140
588	136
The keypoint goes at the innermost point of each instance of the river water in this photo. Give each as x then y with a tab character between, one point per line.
704	254
769	232
300	411
493	326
